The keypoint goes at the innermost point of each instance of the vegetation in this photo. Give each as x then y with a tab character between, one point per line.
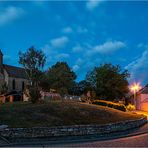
109	82
130	107
60	77
59	113
33	61
3	88
110	104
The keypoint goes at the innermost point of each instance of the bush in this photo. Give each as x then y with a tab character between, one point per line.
130	107
110	104
34	94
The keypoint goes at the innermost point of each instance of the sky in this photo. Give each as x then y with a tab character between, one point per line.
84	34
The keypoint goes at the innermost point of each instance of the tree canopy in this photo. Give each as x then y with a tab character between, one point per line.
33	61
61	77
109	81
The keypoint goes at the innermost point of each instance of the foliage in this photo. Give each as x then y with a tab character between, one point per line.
34	94
3	88
130	107
44	82
109	81
33	61
110	104
61	77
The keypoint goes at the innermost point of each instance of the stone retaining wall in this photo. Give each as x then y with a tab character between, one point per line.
71	130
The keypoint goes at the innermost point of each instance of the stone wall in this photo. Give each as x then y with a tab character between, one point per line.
71	130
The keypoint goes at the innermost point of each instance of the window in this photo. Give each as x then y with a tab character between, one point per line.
23	85
13	84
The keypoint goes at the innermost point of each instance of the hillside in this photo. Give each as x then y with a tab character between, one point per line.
59	114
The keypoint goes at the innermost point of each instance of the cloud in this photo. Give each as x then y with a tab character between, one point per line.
75	68
62	56
59	42
10	14
67	30
77	48
92	4
107	47
138	68
82	30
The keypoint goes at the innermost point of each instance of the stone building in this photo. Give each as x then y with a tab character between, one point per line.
14	77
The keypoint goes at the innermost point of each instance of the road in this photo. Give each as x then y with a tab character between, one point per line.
134	141
136	138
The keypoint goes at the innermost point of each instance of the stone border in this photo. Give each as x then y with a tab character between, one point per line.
76	130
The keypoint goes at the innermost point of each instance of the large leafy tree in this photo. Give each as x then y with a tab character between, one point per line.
33	61
61	77
109	81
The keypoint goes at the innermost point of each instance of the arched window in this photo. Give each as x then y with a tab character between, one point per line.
23	85
13	84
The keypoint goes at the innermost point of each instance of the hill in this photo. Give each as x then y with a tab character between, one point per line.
58	114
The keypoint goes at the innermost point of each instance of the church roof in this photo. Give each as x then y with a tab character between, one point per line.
15	72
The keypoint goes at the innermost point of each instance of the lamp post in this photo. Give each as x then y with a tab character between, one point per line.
135	88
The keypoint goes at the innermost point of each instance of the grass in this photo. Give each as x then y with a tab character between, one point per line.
57	113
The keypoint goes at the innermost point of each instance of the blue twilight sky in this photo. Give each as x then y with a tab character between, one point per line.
82	33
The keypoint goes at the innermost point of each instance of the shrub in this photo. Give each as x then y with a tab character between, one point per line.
130	107
34	94
110	104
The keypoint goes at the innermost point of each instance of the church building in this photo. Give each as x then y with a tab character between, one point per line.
14	77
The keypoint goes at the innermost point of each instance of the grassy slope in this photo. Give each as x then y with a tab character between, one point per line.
59	113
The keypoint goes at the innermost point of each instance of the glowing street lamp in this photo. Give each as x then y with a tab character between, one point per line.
135	88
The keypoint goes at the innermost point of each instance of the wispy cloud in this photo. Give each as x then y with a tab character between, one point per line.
75	68
91	4
82	30
59	42
138	68
77	48
10	14
62	56
67	30
107	47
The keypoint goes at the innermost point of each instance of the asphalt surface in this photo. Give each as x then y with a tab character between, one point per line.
134	141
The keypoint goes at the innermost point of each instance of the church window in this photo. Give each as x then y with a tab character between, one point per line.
13	84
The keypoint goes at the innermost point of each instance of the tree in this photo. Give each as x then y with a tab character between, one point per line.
33	61
61	77
3	88
109	81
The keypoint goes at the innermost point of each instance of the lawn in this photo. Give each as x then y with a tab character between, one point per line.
59	113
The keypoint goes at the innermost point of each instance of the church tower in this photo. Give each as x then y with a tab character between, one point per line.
1	58
1	61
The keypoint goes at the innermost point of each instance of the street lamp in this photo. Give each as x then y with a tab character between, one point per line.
135	88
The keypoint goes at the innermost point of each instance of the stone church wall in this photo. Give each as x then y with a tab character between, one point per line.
18	83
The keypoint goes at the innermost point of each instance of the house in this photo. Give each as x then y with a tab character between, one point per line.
141	101
14	77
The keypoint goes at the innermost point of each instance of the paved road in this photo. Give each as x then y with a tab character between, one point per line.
134	141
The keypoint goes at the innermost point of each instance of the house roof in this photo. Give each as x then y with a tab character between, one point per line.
144	90
15	72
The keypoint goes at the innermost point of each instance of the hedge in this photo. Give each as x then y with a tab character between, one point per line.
110	104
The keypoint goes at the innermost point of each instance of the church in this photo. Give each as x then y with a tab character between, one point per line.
14	77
